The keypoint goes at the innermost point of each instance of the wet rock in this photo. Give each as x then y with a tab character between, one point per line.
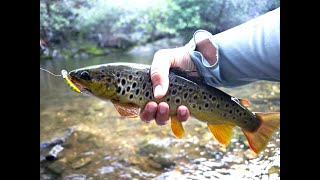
54	152
164	161
75	177
81	163
150	149
58	166
83	136
274	169
59	137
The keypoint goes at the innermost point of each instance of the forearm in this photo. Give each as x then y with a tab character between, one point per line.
243	54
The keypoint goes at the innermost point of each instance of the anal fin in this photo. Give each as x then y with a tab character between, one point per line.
221	132
127	109
176	127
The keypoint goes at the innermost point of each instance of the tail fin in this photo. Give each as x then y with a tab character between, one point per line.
259	139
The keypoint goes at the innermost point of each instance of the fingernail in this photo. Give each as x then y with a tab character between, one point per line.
162	110
151	109
157	90
183	112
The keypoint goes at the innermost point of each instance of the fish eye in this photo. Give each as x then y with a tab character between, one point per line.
85	75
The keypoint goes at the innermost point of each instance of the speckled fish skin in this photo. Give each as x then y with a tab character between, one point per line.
131	83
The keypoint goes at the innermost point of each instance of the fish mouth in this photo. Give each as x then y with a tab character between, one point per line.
81	87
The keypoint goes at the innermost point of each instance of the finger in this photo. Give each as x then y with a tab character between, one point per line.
162	115
149	112
159	72
183	113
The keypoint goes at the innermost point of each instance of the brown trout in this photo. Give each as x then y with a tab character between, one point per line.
128	86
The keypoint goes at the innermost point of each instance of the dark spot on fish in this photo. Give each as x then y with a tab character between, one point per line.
227	105
118	74
131	96
103	75
146	94
190	90
134	84
123	92
141	78
218	105
200	107
174	91
168	99
210	96
128	88
137	73
130	77
140	98
175	80
137	91
244	113
118	80
194	106
204	97
237	110
225	114
171	85
185	96
123	82
102	70
221	98
179	88
149	81
206	105
202	92
195	97
177	100
119	89
230	111
233	117
214	98
245	121
240	114
144	86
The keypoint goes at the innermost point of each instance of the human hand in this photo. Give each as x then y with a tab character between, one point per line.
162	61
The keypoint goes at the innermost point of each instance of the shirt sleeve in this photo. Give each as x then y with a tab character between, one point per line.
245	54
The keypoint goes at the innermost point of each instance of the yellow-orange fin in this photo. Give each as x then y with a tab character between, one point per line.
244	102
221	132
259	139
176	127
127	109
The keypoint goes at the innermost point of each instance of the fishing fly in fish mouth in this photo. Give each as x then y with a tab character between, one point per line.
129	87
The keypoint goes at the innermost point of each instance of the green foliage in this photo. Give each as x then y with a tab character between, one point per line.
102	22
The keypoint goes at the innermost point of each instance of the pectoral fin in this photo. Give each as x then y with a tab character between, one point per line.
176	127
126	109
221	132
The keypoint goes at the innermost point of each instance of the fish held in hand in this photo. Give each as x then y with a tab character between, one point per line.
128	86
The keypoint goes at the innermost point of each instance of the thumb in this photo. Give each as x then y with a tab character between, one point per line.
160	71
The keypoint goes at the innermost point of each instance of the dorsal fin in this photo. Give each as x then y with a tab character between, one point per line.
186	74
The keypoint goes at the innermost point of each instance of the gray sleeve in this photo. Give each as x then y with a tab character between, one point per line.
245	54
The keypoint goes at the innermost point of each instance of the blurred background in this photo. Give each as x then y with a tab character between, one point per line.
82	137
99	27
